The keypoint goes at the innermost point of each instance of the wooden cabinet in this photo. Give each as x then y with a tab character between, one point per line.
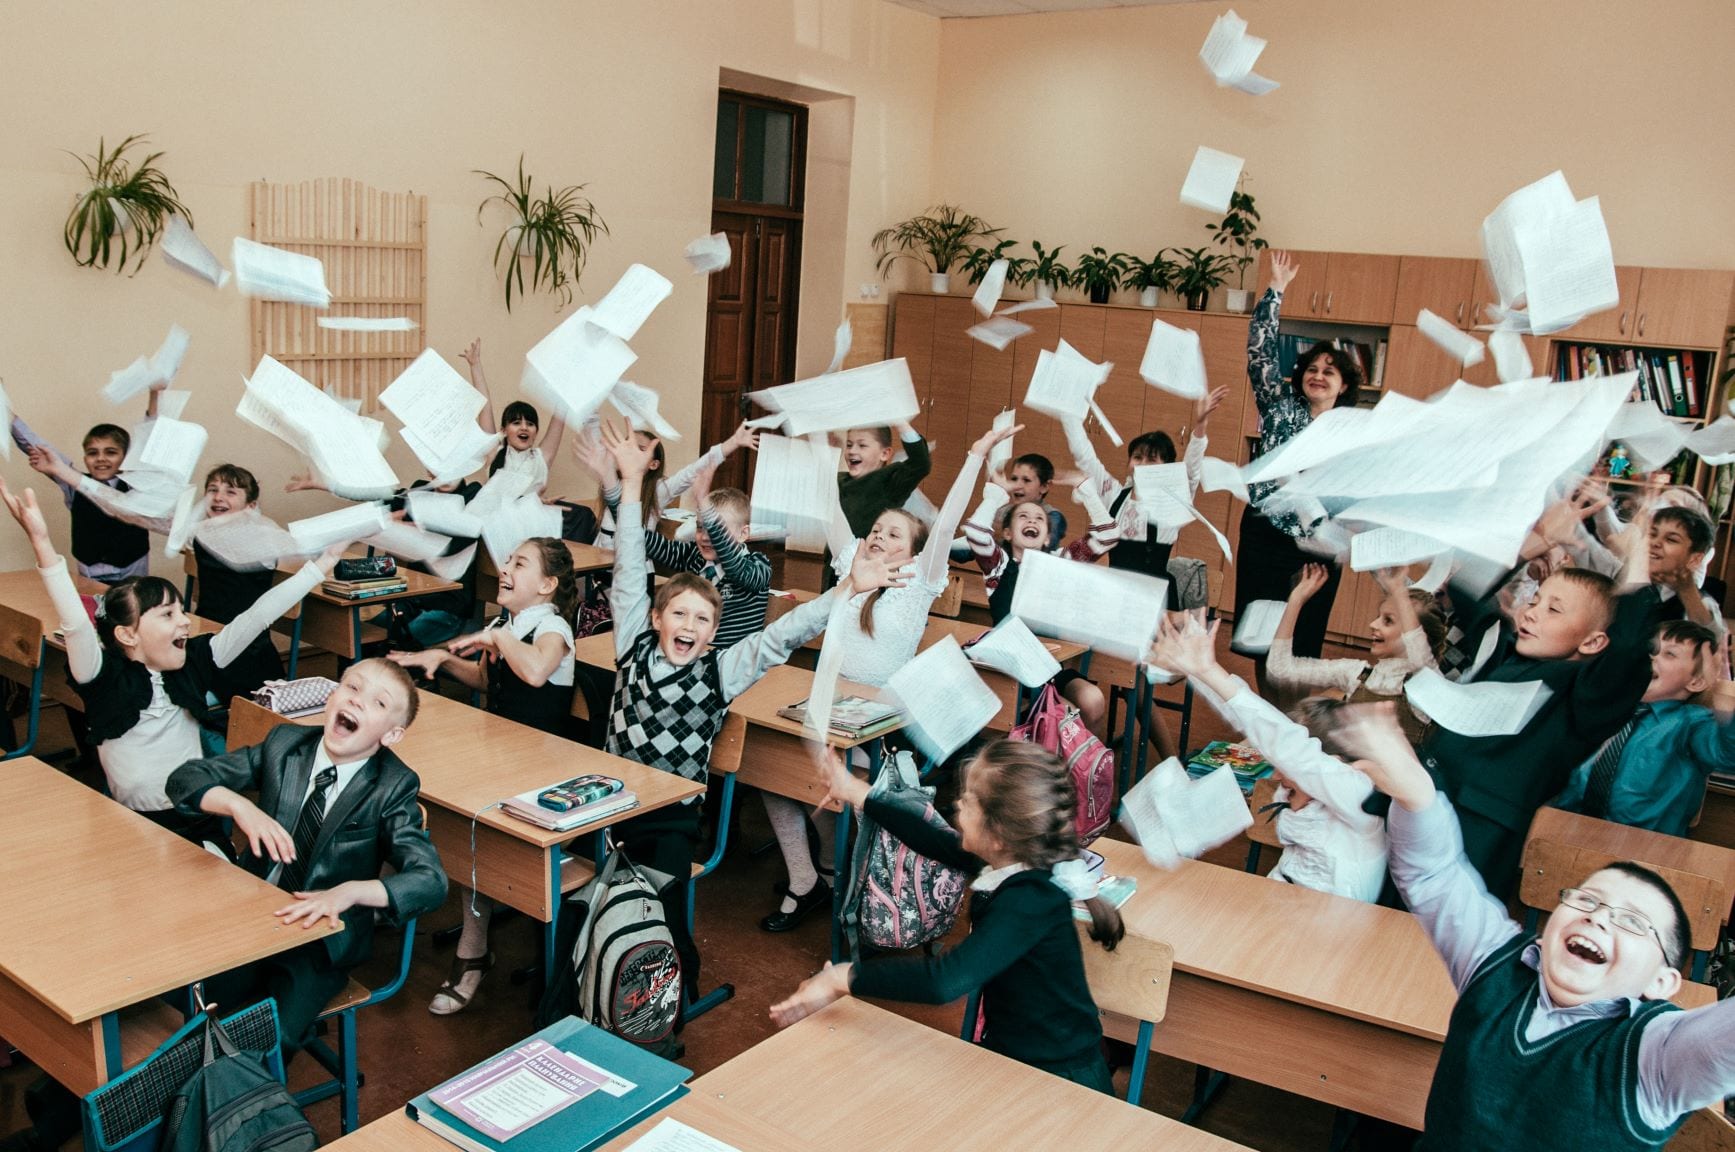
1348	287
1303	296
1681	307
1485	375
1618	322
1415	365
948	403
1443	285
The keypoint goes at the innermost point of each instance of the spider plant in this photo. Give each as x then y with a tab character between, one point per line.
553	234
125	203
1048	269
1099	273
937	239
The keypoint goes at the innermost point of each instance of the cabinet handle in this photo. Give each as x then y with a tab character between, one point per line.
1623	322
1641	323
1313	302
1328	296
1460	313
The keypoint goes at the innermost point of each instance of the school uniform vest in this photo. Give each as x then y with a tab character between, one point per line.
544	706
1145	555
1576	1089
225	593
98	538
669	721
121	691
1415	728
1000	599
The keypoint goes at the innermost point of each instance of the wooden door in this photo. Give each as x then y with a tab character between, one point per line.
948	404
1306	293
1359	288
1131	405
1415	365
749	326
1349	616
1683	308
1442	285
1618	324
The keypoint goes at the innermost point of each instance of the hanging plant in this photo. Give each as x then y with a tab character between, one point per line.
552	235
125	208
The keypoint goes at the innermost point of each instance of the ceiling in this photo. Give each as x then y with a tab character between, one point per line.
958	9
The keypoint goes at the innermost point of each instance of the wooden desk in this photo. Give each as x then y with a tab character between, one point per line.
116	911
1315	994
1640	844
974	607
334	623
586	558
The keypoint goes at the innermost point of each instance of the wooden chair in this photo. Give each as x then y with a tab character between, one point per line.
1263	834
1131	981
249	723
23	643
1706	1130
951	600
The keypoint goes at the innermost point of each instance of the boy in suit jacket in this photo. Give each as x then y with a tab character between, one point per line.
335	805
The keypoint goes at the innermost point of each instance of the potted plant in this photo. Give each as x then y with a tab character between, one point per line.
1149	277
1238	231
1099	273
1047	271
937	239
553	234
1196	273
977	263
127	203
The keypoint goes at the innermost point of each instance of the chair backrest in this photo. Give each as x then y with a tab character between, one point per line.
1132	980
951	601
1706	1130
1264	830
21	637
125	1114
1192	581
1549	866
249	723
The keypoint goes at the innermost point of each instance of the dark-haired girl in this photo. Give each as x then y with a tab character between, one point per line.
522	451
1016	836
1269	554
146	682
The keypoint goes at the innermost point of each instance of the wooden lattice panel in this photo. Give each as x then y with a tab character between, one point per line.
374	248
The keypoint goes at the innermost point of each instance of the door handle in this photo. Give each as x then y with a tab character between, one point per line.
1460	313
1623	322
1313	302
1328	296
1641	323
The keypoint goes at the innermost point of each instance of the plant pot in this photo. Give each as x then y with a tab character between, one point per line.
1196	301
1240	300
1099	293
1045	290
1148	297
939	283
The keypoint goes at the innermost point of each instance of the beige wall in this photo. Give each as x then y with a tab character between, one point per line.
412	96
1399	125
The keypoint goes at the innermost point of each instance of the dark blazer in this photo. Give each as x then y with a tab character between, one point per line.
373	822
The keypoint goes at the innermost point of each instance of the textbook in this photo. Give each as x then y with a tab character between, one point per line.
571	803
1244	760
852	717
364	590
570	1086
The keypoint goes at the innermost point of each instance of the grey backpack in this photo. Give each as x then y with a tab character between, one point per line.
626	973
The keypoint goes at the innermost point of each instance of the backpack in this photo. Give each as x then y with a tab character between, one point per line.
898	898
234	1104
621	971
1054	724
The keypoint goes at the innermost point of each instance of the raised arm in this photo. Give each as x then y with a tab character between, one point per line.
83	648
628	596
1263	368
1102	532
1199	438
1084	458
479	381
901	477
43	456
670	490
979	530
932	566
251	624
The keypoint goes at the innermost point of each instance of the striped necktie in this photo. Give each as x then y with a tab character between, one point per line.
1607	766
307	827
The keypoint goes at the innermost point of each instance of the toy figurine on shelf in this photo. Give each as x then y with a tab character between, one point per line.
1620	465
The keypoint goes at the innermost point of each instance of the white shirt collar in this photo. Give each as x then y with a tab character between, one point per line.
345	773
992	878
522	624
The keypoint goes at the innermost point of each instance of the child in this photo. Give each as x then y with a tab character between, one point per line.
1651	774
654	494
878	636
342	774
672	688
147	685
870	482
521	451
1407	632
1561	1040
1027	481
1016	834
527	667
1329	843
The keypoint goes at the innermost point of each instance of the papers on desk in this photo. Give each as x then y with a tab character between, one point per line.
1211	180
639	405
1390	548
1511	357
1478	709
1229	54
170	448
1173	361
444	513
368	323
1551	254
573	368
269	273
945	702
987	296
1111	610
1651	438
841	341
1010	647
182	249
631	301
1175	817
1001	454
670	1135
1256	627
709	254
794	488
872	395
998	332
1457	343
1715	442
343	526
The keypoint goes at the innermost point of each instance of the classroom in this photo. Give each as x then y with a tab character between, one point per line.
868	574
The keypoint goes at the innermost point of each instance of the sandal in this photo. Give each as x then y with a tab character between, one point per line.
449	1000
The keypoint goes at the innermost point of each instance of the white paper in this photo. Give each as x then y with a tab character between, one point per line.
1173	361
502	489
129	381
5	423
987	296
1390	548
1544	198
1255	85
1477	709
1457	343
343	448
1651	438
182	249
631	301
1064	382
572	369
1569	266
1256	627
408	542
1111	610
1175	817
245	542
1211	180
1013	649
822	693
840	345
171	447
1001	454
794	487
1038	305
368	323
343	526
273	274
504	529
1439	571
172	403
1219	475
443	513
1229	54
166	361
1164	495
639	405
998	332
1715	442
186	517
944	700
670	1135
469	454
709	254
1511	357
430	397
880	394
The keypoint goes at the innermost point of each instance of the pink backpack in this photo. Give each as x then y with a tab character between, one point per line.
1055	725
897	897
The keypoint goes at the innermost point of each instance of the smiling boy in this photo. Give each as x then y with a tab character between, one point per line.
105	548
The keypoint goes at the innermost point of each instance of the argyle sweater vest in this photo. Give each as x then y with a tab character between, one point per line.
667	721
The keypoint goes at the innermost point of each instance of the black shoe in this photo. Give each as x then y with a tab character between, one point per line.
816	897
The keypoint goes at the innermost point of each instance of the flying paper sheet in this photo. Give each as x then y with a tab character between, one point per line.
794	488
1457	343
269	273
1164	494
1037	305
1173	361
1211	180
631	301
1651	438
1001	454
1219	475
987	296
840	344
5	423
998	332
1256	627
443	513
171	447
639	405
172	402
873	395
506	528
573	368
342	447
430	397
1439	571
1390	548
1064	383
1175	817
1569	266
1511	357
356	522
816	717
1113	610
129	381
709	254
1544	198
183	249
245	542
1715	442
944	700
1478	709
166	361
1229	54
368	323
1012	648
186	517
501	490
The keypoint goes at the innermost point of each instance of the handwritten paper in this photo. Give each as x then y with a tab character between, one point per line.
1457	343
1438	572
840	345
182	249
1175	818
1211	180
639	405
1010	647
878	394
1390	548
1164	494
1546	197
355	522
1256	627
1511	356
430	397
794	488
709	254
171	447
1112	610
1229	54
987	296
631	301
268	273
368	323
443	513
1064	382
998	332
1486	708
1569	266
1173	361
573	368
944	700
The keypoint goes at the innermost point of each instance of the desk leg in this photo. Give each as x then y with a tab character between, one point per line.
722	992
354	653
1146	693
1127	731
111	1053
294	645
551	930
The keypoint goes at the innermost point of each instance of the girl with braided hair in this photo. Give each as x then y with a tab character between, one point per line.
1017	836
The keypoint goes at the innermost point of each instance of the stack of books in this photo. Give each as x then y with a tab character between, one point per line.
1244	760
852	717
564	806
366	589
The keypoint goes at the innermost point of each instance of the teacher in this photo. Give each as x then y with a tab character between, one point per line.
1271	550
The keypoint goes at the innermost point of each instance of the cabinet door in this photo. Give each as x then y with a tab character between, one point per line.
1130	404
1415	365
913	338
1223	343
990	387
1349	616
1483	374
1440	284
1306	293
1619	322
949	395
1359	288
1686	308
1081	325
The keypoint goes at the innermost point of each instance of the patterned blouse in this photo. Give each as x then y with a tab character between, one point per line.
1282	414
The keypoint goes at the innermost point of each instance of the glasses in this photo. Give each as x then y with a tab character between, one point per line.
1635	923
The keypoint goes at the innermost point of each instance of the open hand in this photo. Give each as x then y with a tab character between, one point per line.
1283	269
1392	581
43	460
1184	646
744	437
1207	404
1313	577
992	437
265	836
632	460
427	663
867	572
841	785
303	482
473	354
827	986
312	907
25	510
482	641
587	448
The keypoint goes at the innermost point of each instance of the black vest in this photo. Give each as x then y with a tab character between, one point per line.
666	723
545	707
98	538
1145	555
122	689
225	593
